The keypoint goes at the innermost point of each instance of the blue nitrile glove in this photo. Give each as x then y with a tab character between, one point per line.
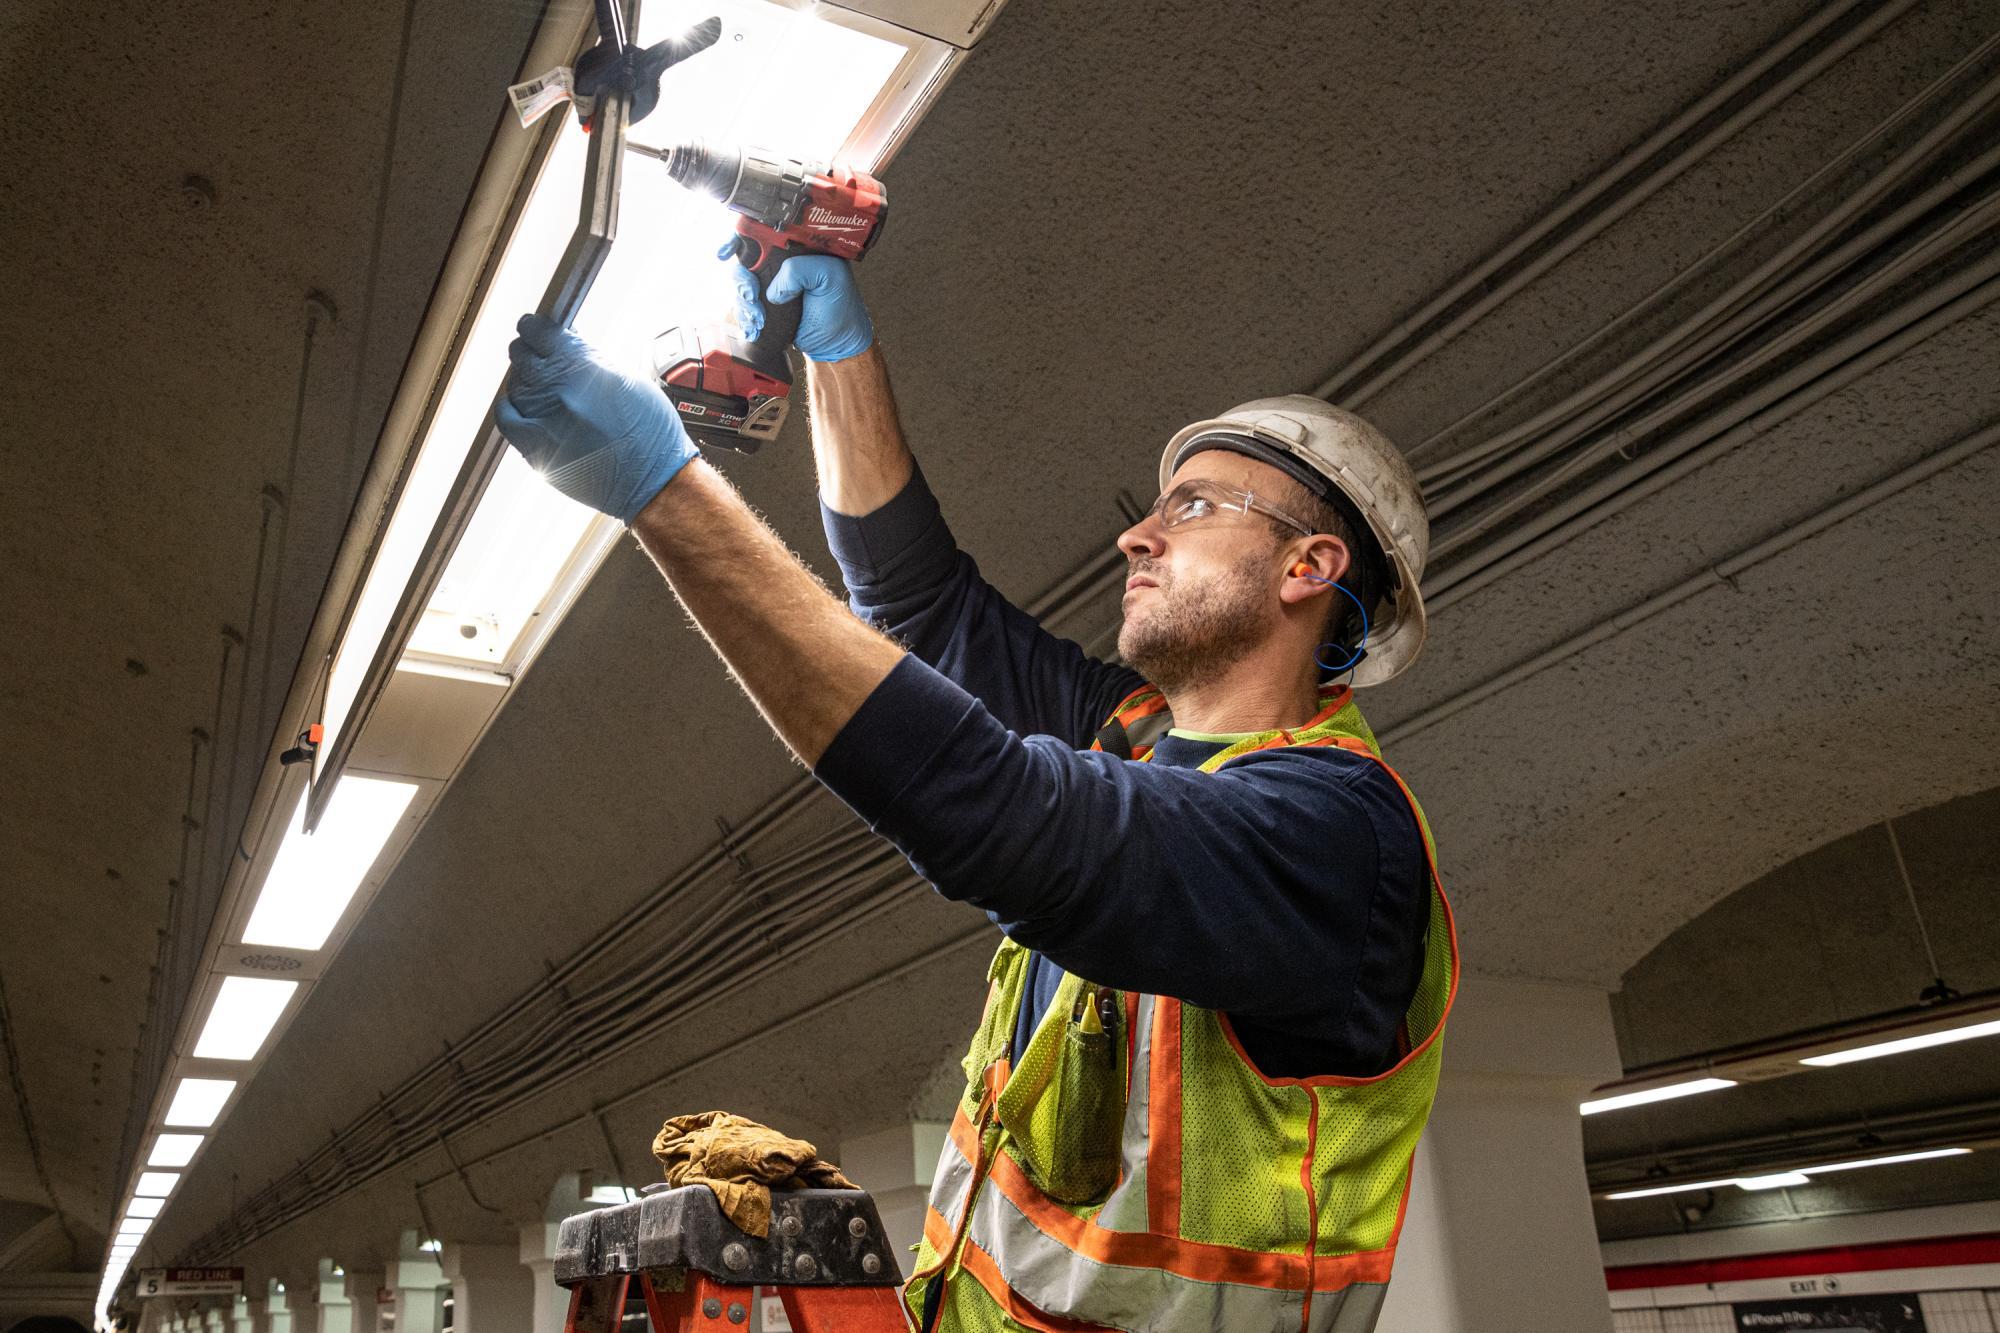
596	434
834	324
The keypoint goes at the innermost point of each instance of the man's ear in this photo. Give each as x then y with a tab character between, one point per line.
1320	561
1328	555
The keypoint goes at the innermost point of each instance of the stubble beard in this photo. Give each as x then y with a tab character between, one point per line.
1197	631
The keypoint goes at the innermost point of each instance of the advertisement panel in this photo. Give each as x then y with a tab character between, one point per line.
1893	1313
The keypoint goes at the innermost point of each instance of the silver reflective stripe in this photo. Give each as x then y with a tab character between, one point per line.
1059	1281
1351	1311
950	1184
1125	1210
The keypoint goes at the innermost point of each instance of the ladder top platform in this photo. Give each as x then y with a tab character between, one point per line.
830	1238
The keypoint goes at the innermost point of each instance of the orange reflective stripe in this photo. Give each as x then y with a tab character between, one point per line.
1163	1120
1200	1261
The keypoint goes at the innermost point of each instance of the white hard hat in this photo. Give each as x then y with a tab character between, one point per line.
1322	445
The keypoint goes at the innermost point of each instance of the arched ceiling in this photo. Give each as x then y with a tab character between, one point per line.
1832	936
1105	229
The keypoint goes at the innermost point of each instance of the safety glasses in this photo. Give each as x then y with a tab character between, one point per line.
1196	502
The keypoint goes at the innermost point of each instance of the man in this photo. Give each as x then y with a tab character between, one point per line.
1211	1034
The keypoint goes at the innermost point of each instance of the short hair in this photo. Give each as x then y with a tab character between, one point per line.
1367	576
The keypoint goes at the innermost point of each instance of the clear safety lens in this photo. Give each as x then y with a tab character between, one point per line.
1197	501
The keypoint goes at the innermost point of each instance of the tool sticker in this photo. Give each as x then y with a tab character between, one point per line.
539	96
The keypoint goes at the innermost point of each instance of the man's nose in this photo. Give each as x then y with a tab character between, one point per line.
1144	539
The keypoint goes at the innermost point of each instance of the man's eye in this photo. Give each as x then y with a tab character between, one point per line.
1198	507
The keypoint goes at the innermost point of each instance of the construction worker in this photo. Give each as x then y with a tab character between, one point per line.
1211	1036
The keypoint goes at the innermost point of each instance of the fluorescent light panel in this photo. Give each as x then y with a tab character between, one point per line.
169	1150
1647	1096
156	1184
1922	1041
245	1010
783	78
198	1101
1800	1176
316	874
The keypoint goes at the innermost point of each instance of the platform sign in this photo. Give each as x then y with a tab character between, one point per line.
190	1282
1901	1313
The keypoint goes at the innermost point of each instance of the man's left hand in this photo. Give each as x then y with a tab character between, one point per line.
598	435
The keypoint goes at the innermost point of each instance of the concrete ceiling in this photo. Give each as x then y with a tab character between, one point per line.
1100	233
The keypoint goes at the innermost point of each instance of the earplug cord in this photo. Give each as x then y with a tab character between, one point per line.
1304	571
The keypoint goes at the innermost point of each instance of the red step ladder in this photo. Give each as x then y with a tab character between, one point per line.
826	1257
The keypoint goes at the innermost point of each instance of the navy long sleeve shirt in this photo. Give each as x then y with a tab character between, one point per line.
1290	889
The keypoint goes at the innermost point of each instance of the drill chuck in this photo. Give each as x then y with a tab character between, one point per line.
758	185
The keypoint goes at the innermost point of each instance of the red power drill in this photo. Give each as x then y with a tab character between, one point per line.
734	393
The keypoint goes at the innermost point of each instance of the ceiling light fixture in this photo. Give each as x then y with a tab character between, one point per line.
316	873
156	1184
171	1150
1922	1041
244	1012
146	1208
1801	1175
1646	1096
198	1101
478	560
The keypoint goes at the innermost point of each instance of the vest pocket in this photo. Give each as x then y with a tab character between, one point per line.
1070	1149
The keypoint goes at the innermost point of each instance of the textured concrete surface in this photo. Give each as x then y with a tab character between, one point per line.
1101	232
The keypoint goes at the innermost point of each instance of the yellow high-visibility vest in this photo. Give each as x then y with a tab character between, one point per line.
1143	1174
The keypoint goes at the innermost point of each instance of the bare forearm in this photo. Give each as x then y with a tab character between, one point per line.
804	659
857	439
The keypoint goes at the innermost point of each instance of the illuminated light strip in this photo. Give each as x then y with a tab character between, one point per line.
1796	1176
1898	1045
315	874
169	1150
1647	1096
244	1012
197	1102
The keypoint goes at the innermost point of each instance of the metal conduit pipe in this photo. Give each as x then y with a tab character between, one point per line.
1622	187
841	880
875	981
1851	205
1755	298
1869	283
472	1097
1824	373
729	905
1624	440
266	1212
361	1163
1718	575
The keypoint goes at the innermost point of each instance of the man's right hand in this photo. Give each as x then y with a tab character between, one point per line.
834	324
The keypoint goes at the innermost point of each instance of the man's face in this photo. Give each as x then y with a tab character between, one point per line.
1201	597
